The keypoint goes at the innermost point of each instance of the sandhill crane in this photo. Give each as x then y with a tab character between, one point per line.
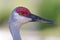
20	16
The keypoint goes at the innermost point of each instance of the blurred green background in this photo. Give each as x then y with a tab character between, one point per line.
49	9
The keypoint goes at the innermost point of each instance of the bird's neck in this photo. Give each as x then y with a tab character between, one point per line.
14	28
15	32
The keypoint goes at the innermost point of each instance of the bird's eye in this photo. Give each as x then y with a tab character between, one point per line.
21	13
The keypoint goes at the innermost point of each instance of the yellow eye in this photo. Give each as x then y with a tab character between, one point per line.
21	12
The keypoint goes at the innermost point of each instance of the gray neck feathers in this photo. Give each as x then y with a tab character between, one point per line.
14	29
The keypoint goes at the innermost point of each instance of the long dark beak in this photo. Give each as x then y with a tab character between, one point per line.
39	19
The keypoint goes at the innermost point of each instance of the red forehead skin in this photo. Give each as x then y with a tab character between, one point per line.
24	10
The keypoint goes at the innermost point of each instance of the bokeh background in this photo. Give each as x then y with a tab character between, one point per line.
49	9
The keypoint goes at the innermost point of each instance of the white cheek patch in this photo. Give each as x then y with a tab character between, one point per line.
21	19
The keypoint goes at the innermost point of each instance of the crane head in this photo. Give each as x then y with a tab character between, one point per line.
24	15
21	15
